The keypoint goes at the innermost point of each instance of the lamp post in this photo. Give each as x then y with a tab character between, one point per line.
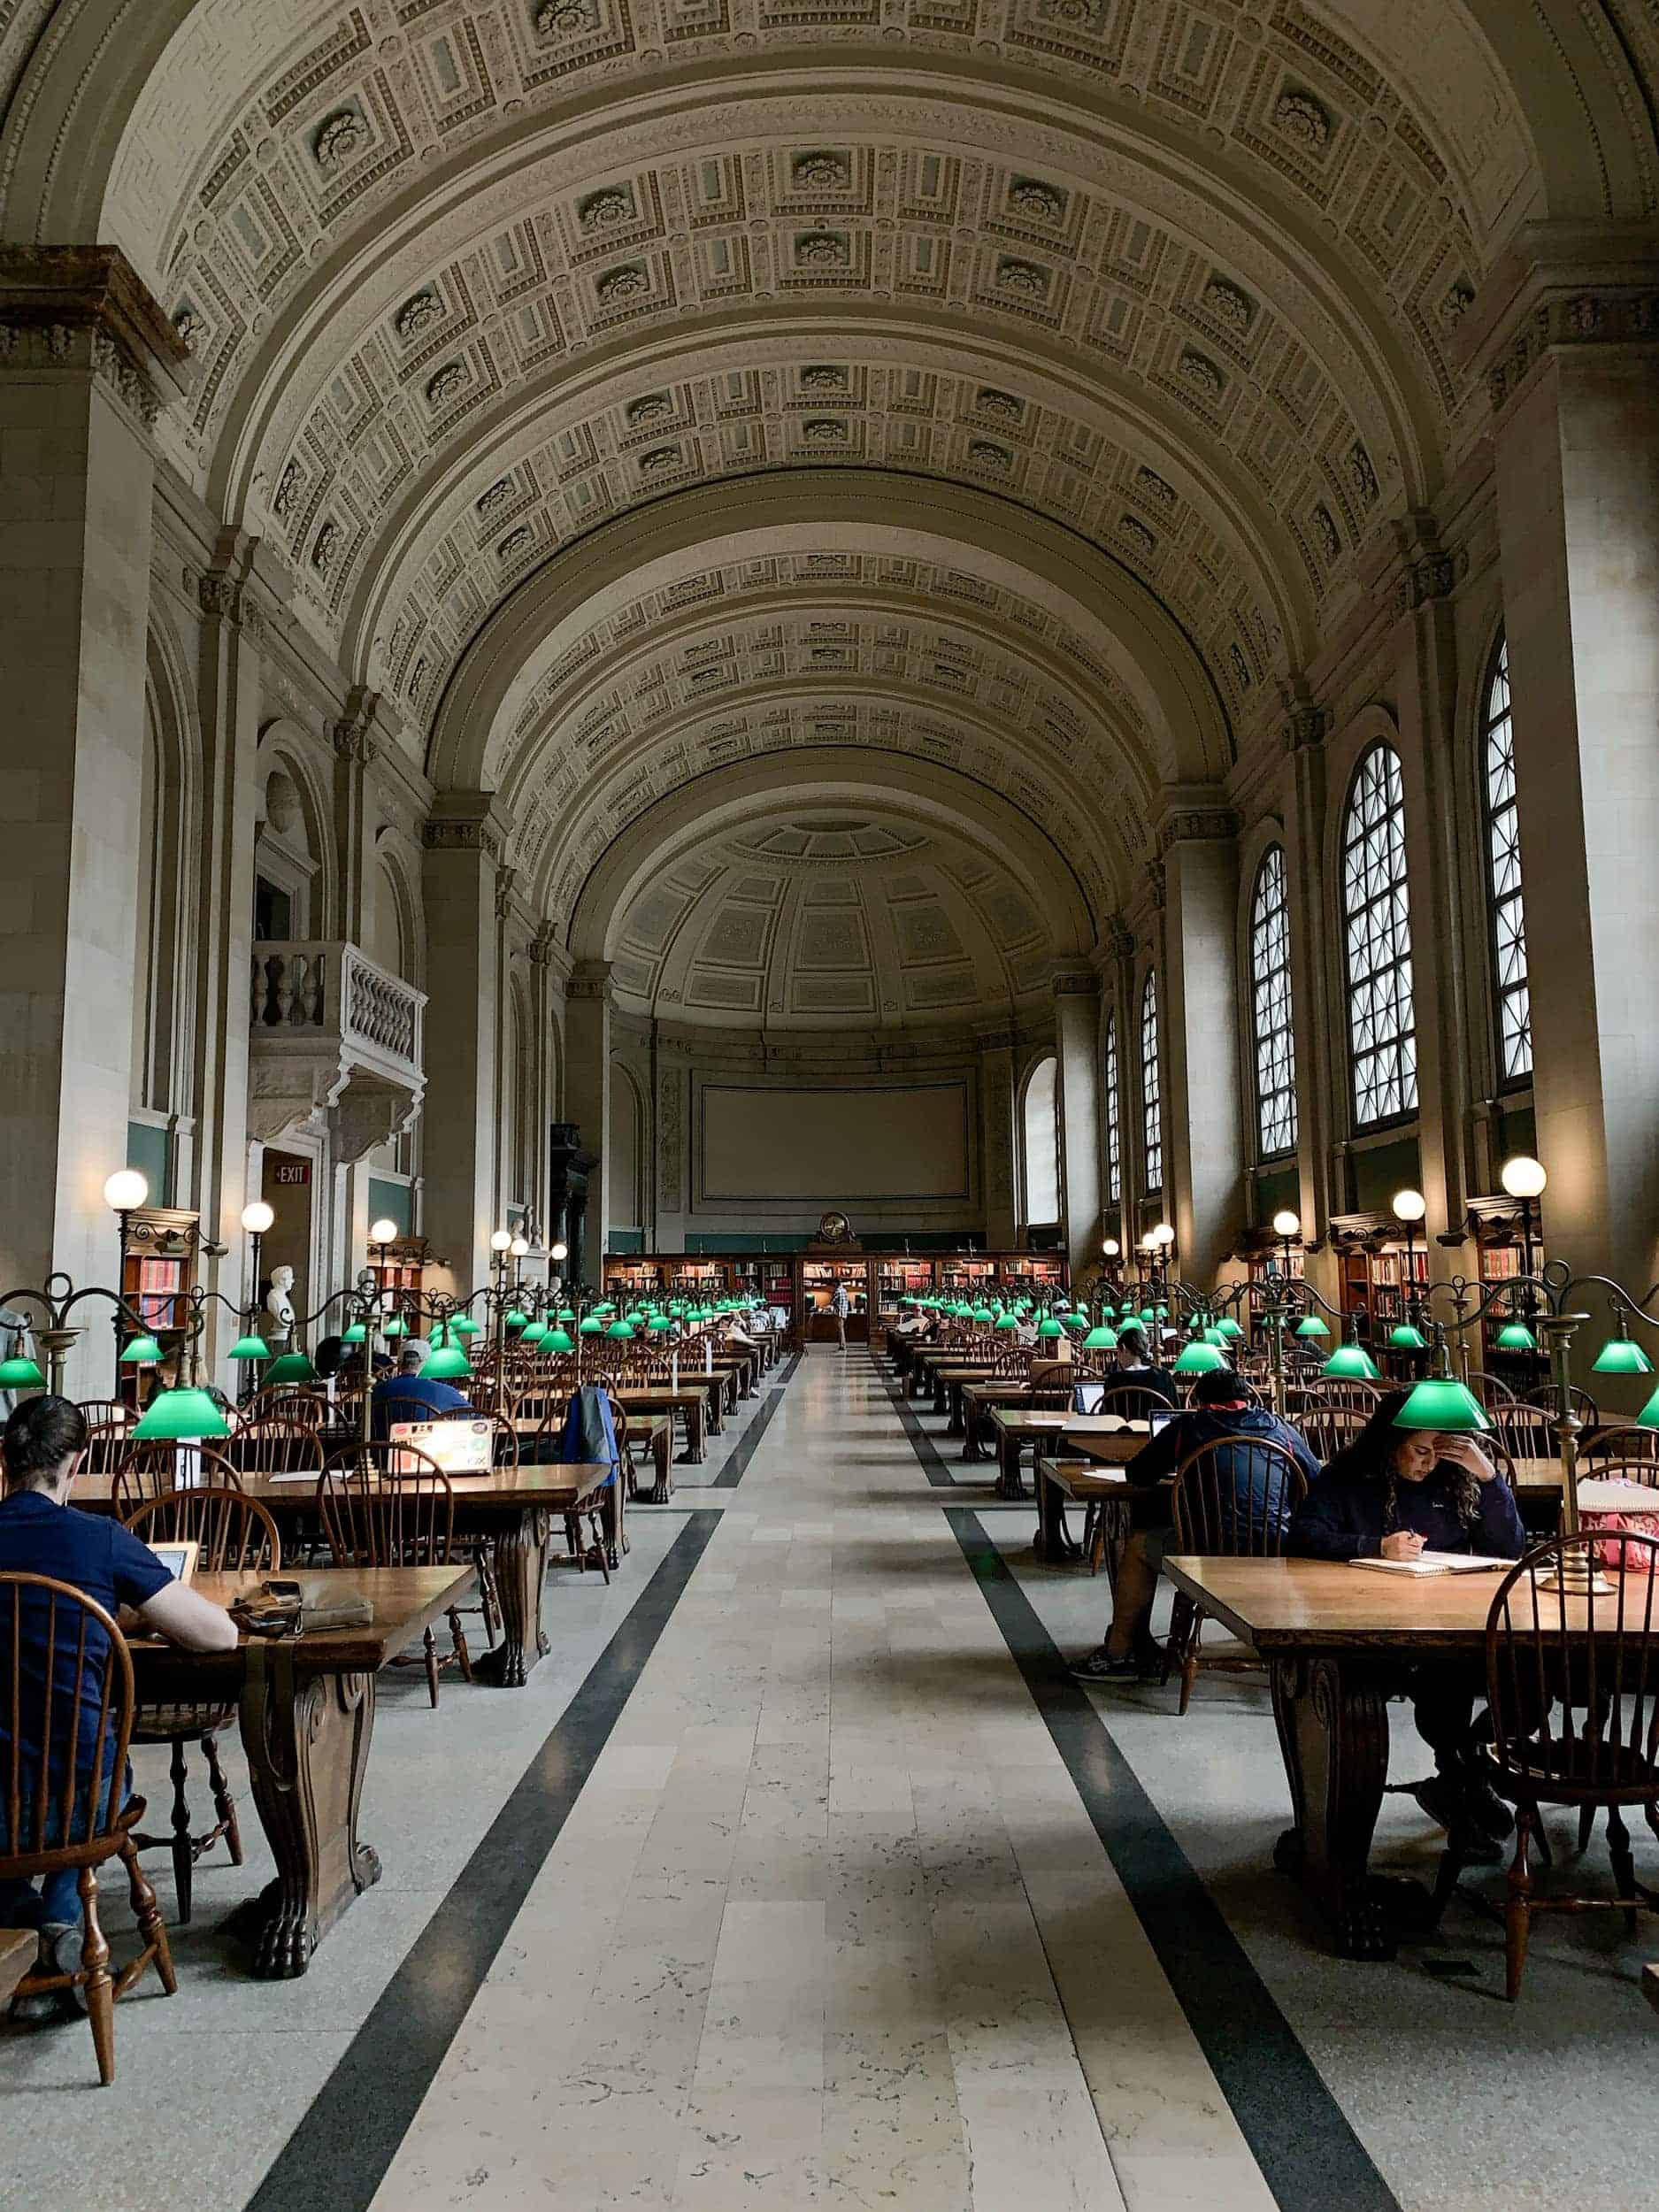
1524	1178
124	1193
1409	1208
1286	1228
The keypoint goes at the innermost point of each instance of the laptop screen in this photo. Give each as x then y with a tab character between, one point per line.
1086	1397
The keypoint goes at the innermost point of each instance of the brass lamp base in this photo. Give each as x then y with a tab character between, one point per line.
1577	1576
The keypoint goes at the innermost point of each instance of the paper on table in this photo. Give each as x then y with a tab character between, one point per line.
1435	1563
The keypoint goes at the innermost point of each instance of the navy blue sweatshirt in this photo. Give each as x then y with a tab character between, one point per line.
1342	1517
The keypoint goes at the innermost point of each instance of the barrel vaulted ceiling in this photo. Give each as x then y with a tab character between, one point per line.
1147	310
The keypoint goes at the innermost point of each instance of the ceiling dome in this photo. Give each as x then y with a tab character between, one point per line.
814	920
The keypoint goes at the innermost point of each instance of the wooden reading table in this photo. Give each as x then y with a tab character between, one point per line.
1334	1639
512	1506
1105	1436
306	1706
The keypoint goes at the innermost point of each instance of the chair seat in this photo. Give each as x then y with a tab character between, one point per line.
1575	1766
160	1724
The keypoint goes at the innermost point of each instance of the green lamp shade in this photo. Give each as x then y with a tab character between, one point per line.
1515	1336
355	1335
1351	1362
983	1315
558	1340
1198	1358
245	1347
142	1351
395	1326
565	1315
293	1367
1228	1325
175	1414
23	1374
1311	1326
536	1332
657	1323
448	1365
464	1324
623	1329
1439	1402
1048	1328
1622	1355
1648	1418
592	1325
1100	1340
1074	1320
1406	1338
1007	1321
518	1320
1215	1336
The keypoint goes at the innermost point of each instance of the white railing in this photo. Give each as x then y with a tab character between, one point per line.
305	989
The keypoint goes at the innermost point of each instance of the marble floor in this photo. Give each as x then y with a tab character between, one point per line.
790	1880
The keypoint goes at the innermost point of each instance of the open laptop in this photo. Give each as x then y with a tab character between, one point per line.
179	1559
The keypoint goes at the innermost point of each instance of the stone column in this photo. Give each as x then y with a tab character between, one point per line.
997	1152
87	358
587	1093
1203	1124
1115	989
463	848
1570	344
1426	687
235	611
543	957
1077	1044
506	1074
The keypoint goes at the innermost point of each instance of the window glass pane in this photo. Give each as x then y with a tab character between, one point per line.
1114	1127
1376	937
1151	1087
1503	877
1043	1143
1270	1010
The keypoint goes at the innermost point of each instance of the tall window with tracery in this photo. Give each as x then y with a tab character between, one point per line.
1505	908
1270	1008
1151	1087
1114	1127
1376	939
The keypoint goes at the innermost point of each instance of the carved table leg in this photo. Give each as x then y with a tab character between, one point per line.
663	1490
1008	1482
1053	1540
520	1570
1332	1719
308	1744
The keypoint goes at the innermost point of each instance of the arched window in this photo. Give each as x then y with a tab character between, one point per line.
1114	1127
1270	1007
1377	933
1151	1087
1042	1141
1504	904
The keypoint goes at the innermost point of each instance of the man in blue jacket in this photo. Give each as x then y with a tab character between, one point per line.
1223	1406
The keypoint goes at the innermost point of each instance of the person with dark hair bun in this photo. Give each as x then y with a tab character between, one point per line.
42	1533
1392	1494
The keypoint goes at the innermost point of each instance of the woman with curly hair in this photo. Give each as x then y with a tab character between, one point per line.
1391	1493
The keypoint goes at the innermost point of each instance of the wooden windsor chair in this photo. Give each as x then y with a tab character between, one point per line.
545	1452
237	1536
112	1413
1106	1520
149	1472
1328	1426
1233	1499
380	1510
1491	1390
270	1445
108	1445
303	1408
1635	1450
65	1727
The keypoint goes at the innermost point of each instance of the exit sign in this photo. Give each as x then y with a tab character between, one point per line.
289	1173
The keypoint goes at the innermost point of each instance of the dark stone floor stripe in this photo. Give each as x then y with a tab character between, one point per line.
737	1466
339	2154
1298	2134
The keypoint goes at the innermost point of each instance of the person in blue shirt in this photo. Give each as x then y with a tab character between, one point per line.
1223	1406
406	1397
40	1533
1391	1493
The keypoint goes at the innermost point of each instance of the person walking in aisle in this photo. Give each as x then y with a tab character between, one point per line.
840	1306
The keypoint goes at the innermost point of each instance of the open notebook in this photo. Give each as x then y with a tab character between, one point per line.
1435	1563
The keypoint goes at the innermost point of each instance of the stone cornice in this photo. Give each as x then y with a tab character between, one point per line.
1186	825
1564	286
85	306
590	980
464	821
1075	983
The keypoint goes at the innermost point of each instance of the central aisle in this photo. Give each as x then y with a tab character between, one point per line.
828	1923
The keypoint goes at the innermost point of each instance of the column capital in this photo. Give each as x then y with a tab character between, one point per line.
353	736
590	979
1072	982
505	878
544	946
1564	287
1002	1039
463	821
1200	812
85	307
1306	724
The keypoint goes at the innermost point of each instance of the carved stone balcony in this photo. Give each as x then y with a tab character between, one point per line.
336	1048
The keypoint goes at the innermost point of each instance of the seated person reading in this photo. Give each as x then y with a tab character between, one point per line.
1134	1364
1222	1408
1391	1493
42	1533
